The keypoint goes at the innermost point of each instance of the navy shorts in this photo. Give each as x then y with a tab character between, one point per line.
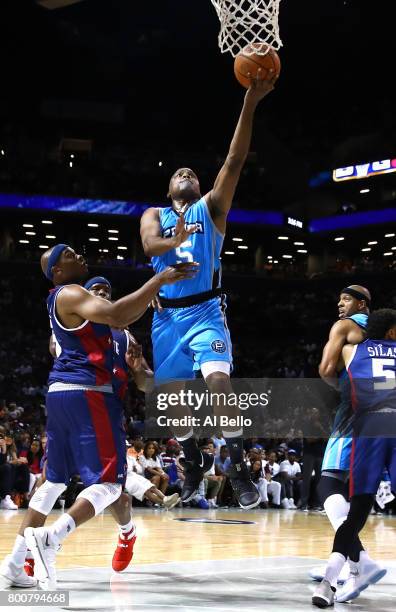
372	453
85	436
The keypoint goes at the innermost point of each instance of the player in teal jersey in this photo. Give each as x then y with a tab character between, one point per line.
189	332
353	310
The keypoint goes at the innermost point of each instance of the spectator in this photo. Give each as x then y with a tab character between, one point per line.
292	481
262	480
218	442
6	502
34	457
213	482
272	467
152	466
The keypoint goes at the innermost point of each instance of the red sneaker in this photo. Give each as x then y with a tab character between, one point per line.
123	553
29	567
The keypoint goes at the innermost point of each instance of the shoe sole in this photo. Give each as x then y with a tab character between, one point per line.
173	504
376	577
321	603
185	501
36	546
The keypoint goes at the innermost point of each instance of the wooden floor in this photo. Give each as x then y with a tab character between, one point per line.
161	538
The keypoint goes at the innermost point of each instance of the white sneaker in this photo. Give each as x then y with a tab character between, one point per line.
369	573
13	576
292	505
43	547
285	503
170	501
8	504
318	573
212	503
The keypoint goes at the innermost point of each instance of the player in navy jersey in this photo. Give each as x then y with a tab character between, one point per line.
371	367
83	416
353	309
189	331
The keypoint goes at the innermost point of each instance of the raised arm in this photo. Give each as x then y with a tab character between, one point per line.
150	231
75	304
219	199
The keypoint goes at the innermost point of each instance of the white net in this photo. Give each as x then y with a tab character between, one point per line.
248	22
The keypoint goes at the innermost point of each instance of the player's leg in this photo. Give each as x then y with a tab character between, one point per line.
93	448
44	498
209	340
363	486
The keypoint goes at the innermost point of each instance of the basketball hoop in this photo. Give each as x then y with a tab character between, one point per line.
245	22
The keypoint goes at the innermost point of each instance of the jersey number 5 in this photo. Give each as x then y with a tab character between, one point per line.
380	371
184	256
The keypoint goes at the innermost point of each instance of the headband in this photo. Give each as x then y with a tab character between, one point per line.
53	258
97	280
356	294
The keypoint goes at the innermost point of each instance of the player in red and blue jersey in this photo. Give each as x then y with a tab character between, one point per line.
83	415
371	368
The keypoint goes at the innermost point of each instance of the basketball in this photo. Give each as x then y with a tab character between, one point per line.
245	63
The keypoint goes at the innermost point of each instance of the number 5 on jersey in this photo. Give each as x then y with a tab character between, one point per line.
184	256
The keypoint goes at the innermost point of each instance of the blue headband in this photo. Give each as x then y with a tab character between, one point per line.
97	280
53	258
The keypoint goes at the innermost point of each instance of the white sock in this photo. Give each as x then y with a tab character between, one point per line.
63	527
337	509
18	554
353	566
364	557
334	566
128	530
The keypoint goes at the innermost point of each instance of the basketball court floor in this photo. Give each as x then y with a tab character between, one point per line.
216	560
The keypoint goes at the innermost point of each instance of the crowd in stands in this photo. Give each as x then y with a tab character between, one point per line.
277	337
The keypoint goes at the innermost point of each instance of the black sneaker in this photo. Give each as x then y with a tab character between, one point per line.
194	474
246	493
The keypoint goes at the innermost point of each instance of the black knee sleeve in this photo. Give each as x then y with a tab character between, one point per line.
346	538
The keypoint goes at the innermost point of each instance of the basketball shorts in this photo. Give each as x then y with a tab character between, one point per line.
185	338
137	486
372	453
85	437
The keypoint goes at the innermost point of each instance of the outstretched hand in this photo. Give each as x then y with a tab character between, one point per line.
259	87
181	233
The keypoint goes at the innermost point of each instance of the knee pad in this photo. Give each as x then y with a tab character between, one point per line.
45	497
337	509
101	495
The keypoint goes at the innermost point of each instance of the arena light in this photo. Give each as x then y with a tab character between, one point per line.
71	164
389	235
339	239
122	248
120	257
93	224
50	237
283	237
393	248
242	246
287	256
238	239
46	222
113	231
388	253
2	152
366	249
30	233
112	238
299	243
373	242
364	191
269	257
27	225
301	251
229	252
93	239
160	163
276	261
105	250
43	246
24	241
72	155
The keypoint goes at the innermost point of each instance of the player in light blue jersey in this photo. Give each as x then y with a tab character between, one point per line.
190	332
353	310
